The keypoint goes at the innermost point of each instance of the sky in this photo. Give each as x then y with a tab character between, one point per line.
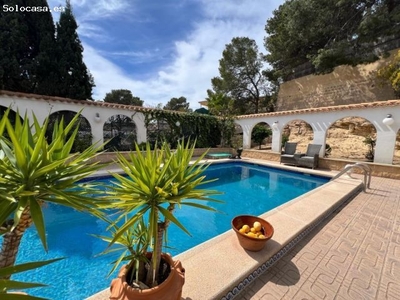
161	49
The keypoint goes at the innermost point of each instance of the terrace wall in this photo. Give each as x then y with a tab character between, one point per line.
380	170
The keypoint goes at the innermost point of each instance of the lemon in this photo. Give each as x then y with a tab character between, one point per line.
251	234
246	228
261	236
257	226
253	230
242	230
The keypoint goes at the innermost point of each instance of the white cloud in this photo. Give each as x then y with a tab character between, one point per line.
92	31
101	9
196	58
107	75
86	12
94	10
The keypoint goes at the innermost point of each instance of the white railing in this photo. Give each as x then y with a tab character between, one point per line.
364	167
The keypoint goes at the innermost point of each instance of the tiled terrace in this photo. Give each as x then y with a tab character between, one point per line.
354	254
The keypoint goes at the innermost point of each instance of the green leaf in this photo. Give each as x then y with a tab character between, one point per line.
20	297
39	143
37	217
25	267
4	120
18	151
12	284
117	262
172	218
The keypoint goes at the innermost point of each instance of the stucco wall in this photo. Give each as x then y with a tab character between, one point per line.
344	85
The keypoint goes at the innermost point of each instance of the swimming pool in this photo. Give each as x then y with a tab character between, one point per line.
249	189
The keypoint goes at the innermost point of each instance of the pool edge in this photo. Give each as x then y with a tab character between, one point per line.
200	262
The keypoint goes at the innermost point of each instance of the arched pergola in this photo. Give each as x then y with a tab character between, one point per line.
96	113
320	119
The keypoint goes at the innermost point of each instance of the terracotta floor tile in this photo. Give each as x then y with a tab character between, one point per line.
355	254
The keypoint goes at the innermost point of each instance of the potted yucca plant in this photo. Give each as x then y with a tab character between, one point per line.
154	183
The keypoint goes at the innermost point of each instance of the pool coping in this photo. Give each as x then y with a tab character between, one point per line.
220	268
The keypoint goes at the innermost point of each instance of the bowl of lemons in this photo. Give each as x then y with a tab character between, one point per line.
252	232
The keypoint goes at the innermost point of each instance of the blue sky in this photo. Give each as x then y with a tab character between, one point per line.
160	49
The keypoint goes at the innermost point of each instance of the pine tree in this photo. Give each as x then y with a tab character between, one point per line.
27	45
11	45
47	76
76	82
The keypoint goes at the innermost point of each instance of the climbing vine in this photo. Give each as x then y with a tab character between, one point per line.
169	126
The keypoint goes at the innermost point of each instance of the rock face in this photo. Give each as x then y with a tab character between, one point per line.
345	85
346	138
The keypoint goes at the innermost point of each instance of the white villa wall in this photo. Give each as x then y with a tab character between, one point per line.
43	107
321	119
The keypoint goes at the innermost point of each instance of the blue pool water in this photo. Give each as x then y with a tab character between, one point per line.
248	189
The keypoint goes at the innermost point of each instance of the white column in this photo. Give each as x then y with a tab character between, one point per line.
384	149
97	132
246	137
320	138
141	130
276	145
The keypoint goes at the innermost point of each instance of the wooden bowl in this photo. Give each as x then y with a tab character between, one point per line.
248	242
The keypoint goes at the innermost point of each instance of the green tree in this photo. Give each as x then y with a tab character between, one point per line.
46	62
28	56
222	106
391	74
329	33
241	75
123	97
76	82
259	133
178	104
219	104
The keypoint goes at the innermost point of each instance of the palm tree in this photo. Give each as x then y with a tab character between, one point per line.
221	105
34	171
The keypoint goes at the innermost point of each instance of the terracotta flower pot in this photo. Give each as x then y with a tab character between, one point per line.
248	242
170	289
